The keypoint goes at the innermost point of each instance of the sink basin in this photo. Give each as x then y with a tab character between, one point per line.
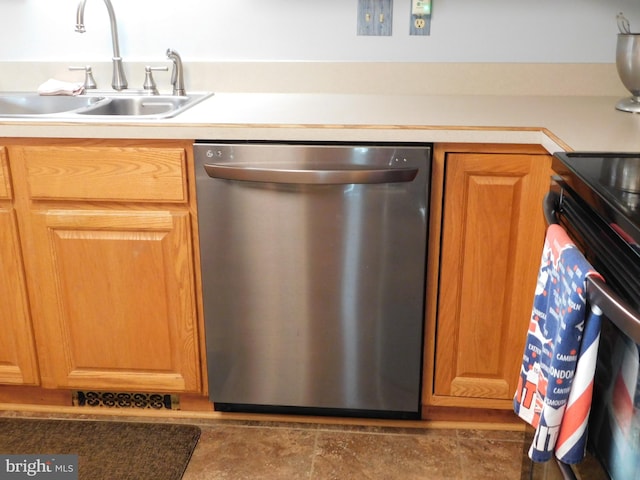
127	105
32	104
141	106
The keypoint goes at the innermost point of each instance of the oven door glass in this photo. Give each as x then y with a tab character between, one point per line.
614	425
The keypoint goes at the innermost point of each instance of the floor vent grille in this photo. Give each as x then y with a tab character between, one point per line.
153	401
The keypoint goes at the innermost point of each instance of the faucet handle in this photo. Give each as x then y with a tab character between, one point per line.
89	81
149	83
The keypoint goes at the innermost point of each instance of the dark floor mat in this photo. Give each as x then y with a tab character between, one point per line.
106	450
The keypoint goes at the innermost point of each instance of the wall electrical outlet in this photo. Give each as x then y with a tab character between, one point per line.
420	18
375	17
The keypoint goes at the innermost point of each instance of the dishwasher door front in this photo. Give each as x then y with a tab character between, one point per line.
313	268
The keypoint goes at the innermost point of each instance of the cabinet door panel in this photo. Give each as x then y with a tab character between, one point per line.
491	239
17	351
119	309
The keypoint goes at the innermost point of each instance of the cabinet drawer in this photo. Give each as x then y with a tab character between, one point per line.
5	186
106	173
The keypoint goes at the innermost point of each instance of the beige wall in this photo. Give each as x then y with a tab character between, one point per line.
347	77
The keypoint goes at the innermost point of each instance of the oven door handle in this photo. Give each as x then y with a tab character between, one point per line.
598	293
550	207
613	307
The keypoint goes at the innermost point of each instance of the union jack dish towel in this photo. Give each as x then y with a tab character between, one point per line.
556	377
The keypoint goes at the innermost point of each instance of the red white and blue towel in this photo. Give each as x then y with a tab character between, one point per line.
556	377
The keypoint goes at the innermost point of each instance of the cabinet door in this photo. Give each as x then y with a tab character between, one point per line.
116	299
17	352
492	235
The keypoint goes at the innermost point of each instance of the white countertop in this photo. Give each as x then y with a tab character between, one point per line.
585	123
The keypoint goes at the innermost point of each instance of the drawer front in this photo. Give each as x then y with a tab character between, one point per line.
143	174
5	186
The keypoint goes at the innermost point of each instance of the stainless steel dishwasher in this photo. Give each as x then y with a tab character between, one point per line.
313	270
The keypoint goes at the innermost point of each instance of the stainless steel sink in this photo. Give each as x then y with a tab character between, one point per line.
20	104
128	105
141	106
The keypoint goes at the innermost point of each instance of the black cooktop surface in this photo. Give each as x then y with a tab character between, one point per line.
609	182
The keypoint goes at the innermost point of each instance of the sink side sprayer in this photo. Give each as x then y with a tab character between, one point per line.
119	80
177	74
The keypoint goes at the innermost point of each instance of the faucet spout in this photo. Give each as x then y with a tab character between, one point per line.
177	74
119	80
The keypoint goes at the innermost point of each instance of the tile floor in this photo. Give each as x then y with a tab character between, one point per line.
289	451
238	450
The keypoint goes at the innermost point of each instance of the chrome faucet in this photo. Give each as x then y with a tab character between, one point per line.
177	75
119	81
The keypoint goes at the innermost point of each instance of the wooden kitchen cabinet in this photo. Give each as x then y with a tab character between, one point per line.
108	248
487	231
17	350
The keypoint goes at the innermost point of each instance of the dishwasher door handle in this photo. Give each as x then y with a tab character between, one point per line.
318	177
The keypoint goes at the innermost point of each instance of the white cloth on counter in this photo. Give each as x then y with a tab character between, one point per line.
58	87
